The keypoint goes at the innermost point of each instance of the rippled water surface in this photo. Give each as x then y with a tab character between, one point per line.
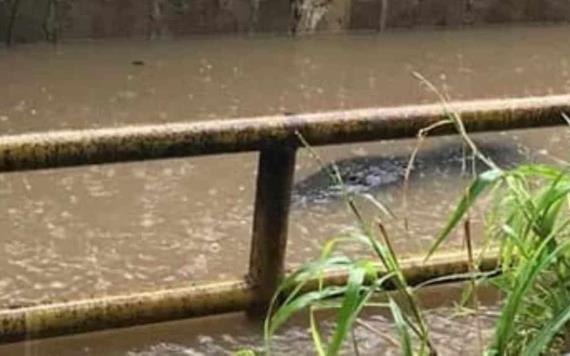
110	229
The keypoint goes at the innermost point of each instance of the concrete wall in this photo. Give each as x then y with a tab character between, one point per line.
38	19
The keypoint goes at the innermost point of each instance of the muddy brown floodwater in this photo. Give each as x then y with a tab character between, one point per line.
103	230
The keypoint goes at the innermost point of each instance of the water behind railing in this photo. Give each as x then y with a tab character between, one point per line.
112	229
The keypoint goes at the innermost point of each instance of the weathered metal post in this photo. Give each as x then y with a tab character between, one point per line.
271	217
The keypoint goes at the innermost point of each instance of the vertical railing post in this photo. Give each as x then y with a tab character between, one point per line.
271	216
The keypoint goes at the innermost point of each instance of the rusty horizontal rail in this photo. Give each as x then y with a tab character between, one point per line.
198	300
276	139
135	143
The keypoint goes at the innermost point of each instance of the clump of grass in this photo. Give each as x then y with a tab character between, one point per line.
350	299
362	284
531	225
528	222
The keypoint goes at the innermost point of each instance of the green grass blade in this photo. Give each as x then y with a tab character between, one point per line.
401	325
514	237
477	187
550	206
351	306
524	280
316	334
286	311
548	331
542	170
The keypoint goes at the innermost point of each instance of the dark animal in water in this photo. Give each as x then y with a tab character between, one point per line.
373	173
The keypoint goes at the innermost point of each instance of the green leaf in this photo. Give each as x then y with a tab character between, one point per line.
542	170
285	312
477	187
524	280
316	334
549	206
548	331
351	306
308	271
401	325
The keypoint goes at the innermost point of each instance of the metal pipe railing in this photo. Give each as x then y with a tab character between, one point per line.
271	219
56	319
135	143
276	137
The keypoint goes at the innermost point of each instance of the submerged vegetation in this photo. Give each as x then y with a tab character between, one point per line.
527	224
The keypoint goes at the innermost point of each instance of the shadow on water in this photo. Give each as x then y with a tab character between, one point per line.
373	174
